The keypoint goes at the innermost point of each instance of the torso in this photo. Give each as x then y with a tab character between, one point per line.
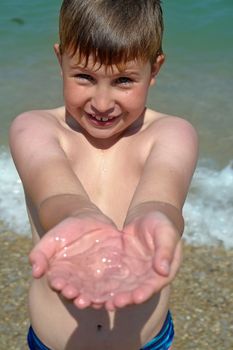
110	177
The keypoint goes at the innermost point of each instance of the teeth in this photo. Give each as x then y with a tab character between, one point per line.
98	118
102	119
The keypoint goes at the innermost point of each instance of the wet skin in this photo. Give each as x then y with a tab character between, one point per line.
103	266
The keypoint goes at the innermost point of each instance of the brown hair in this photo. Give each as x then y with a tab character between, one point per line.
112	31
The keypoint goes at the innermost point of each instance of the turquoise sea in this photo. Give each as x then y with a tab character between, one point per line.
196	82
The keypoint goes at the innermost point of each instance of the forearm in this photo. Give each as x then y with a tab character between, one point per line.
167	172
58	207
170	211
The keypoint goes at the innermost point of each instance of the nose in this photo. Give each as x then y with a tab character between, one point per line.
102	100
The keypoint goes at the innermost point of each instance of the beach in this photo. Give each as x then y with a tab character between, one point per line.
194	83
201	303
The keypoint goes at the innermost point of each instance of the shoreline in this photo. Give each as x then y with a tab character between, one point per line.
201	300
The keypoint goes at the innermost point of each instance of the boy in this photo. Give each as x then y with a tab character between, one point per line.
105	179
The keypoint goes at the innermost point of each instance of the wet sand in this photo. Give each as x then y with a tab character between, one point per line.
201	303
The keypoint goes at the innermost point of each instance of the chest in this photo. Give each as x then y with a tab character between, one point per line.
109	177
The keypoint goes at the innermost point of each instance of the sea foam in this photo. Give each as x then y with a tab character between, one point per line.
13	212
208	210
209	207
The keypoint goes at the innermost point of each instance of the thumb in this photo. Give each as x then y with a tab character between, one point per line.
165	248
39	263
40	255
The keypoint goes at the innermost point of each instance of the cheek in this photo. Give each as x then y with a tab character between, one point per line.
136	99
68	91
72	95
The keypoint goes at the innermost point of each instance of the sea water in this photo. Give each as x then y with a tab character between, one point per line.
196	83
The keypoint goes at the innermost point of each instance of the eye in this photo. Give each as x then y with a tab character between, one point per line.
84	78
124	81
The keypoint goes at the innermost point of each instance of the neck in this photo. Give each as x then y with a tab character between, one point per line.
105	143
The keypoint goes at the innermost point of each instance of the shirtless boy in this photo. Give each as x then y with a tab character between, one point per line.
105	180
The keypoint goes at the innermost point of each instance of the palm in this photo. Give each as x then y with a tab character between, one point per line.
100	266
103	273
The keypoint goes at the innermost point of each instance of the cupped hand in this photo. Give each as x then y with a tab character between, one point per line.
85	261
94	264
66	233
151	237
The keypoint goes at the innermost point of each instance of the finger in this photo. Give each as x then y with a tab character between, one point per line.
39	263
97	306
122	299
82	302
58	276
56	239
46	246
70	292
143	293
165	246
57	283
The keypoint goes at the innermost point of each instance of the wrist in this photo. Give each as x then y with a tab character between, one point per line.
170	211
59	207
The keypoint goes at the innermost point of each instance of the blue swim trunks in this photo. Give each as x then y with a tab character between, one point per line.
162	341
164	338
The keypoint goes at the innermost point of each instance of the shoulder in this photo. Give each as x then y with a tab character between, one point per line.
35	128
169	127
171	137
46	117
37	122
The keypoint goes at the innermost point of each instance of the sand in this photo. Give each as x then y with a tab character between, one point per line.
201	303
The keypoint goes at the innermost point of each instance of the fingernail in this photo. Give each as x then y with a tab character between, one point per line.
34	268
165	266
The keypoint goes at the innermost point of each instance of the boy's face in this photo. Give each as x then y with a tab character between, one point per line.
103	100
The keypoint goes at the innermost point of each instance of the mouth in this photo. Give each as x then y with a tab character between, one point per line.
102	120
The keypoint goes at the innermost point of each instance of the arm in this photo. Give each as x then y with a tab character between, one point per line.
163	187
168	170
47	176
70	221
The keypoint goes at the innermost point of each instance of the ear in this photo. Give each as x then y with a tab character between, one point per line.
57	51
155	68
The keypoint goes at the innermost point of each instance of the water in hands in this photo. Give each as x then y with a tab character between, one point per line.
98	267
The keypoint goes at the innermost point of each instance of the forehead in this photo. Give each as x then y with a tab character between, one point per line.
91	63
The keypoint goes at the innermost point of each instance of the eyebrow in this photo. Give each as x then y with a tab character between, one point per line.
83	67
77	65
128	70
